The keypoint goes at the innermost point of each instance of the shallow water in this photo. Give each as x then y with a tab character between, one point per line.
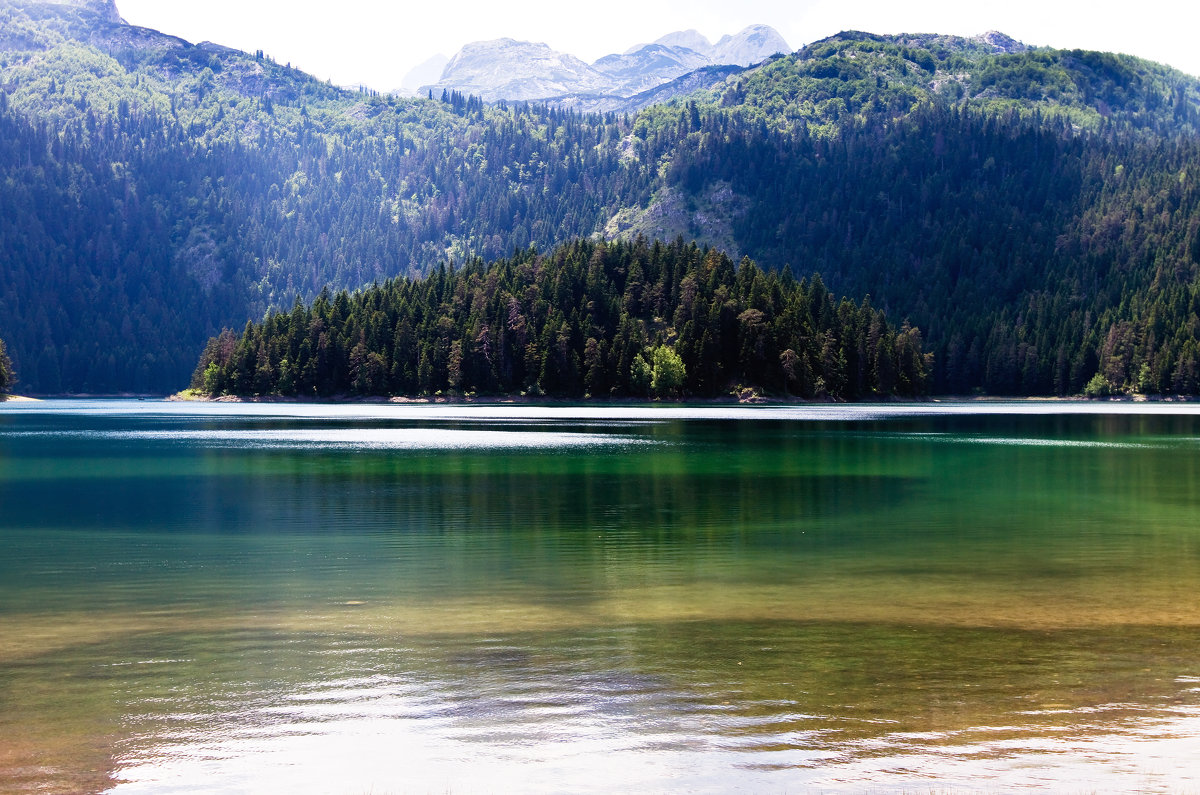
461	598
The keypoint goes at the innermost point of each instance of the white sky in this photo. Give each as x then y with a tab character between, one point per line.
376	42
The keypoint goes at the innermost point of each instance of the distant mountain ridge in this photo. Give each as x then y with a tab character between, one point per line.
507	69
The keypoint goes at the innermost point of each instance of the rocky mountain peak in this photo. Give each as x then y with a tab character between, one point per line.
690	39
516	70
522	70
749	46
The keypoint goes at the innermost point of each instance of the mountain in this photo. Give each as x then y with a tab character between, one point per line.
516	70
750	46
690	39
646	68
424	73
524	71
40	24
1035	212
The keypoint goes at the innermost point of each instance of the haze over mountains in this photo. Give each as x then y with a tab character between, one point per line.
507	69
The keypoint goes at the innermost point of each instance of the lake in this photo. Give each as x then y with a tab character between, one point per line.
388	598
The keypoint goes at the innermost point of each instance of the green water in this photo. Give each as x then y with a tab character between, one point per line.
434	599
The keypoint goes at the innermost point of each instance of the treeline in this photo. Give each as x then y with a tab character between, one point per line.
589	318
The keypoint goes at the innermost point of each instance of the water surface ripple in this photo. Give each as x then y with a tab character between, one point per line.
396	598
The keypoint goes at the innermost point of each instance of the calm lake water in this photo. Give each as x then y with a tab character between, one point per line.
249	598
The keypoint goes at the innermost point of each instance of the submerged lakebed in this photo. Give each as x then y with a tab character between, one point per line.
355	598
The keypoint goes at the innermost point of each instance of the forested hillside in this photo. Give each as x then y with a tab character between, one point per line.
617	319
7	376
1034	212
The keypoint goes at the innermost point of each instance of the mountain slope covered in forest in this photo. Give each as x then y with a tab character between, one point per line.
1033	211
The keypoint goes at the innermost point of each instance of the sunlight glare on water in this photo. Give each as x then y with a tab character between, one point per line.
364	438
384	598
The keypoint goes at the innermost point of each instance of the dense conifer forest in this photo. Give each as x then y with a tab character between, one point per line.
587	319
7	376
1036	213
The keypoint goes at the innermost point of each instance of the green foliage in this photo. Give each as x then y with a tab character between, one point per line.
668	372
641	377
606	319
854	77
142	215
7	376
1098	387
1035	213
210	382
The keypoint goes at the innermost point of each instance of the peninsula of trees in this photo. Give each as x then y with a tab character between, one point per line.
586	319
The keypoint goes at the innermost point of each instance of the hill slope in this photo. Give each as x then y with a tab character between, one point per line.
1033	211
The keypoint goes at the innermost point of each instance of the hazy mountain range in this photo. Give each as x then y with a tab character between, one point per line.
521	70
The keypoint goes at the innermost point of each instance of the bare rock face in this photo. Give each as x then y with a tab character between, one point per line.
515	70
647	67
752	45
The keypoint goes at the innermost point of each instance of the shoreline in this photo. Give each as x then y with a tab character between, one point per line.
744	398
725	400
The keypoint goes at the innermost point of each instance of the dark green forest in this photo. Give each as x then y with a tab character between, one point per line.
587	319
7	376
1034	212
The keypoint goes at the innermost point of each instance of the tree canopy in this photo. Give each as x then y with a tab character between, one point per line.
7	376
635	319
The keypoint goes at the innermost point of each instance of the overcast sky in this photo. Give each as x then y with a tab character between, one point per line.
375	43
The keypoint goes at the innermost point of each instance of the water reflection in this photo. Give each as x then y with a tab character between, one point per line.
351	439
696	704
892	599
